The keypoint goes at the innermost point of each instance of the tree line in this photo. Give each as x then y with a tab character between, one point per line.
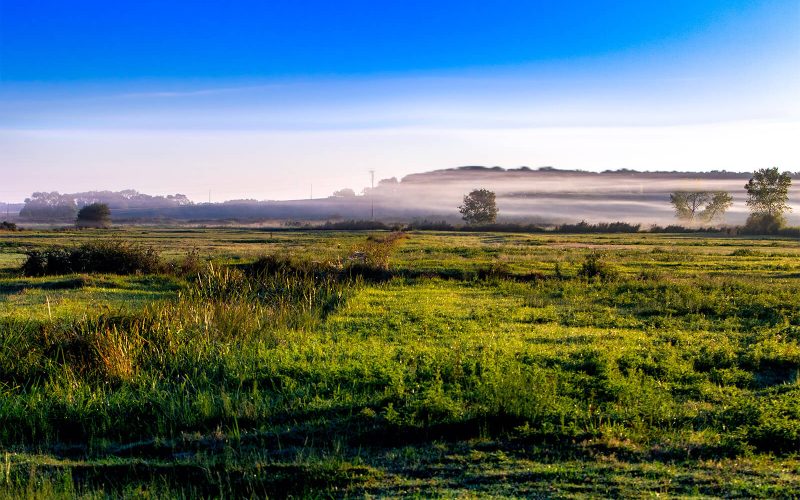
767	197
56	206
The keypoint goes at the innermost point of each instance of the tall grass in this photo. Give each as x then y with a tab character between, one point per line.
284	353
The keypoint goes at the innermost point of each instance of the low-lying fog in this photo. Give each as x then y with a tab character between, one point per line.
554	196
527	196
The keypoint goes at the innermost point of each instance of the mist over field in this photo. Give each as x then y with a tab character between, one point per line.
546	195
551	195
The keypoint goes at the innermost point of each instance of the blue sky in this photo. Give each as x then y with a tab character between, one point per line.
259	99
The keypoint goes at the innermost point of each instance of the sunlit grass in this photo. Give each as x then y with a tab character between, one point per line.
444	364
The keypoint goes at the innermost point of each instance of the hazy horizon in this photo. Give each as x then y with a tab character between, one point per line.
523	195
263	100
466	185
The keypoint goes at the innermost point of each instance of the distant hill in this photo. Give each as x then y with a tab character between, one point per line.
543	195
555	195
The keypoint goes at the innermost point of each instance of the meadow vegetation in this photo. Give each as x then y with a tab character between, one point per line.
241	362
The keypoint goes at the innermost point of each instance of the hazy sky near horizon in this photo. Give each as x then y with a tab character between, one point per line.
261	99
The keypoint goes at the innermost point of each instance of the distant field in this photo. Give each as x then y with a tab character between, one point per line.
429	364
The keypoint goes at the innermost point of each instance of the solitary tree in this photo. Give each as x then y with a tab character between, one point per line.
767	197
94	215
703	206
768	192
479	207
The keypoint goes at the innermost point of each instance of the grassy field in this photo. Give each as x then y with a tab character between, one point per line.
355	364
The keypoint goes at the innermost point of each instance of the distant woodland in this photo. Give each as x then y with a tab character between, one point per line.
44	206
523	195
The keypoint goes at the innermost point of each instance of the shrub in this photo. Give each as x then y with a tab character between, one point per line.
594	266
495	270
763	224
674	228
428	225
116	257
600	227
8	226
50	261
505	227
190	265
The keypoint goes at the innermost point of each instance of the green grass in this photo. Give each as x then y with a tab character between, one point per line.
448	365
81	295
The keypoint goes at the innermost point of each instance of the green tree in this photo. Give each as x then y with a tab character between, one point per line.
715	209
480	207
688	204
768	192
768	199
94	215
703	206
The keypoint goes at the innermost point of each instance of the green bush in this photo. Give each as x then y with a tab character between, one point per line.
763	224
495	270
112	256
595	266
191	264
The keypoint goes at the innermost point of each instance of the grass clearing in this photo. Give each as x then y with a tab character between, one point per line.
438	364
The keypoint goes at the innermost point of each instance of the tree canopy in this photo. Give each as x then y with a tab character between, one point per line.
94	215
768	192
700	206
479	207
49	206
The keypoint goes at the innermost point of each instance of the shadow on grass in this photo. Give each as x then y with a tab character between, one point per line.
57	284
148	283
201	480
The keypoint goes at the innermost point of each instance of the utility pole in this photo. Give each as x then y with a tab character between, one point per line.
372	194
